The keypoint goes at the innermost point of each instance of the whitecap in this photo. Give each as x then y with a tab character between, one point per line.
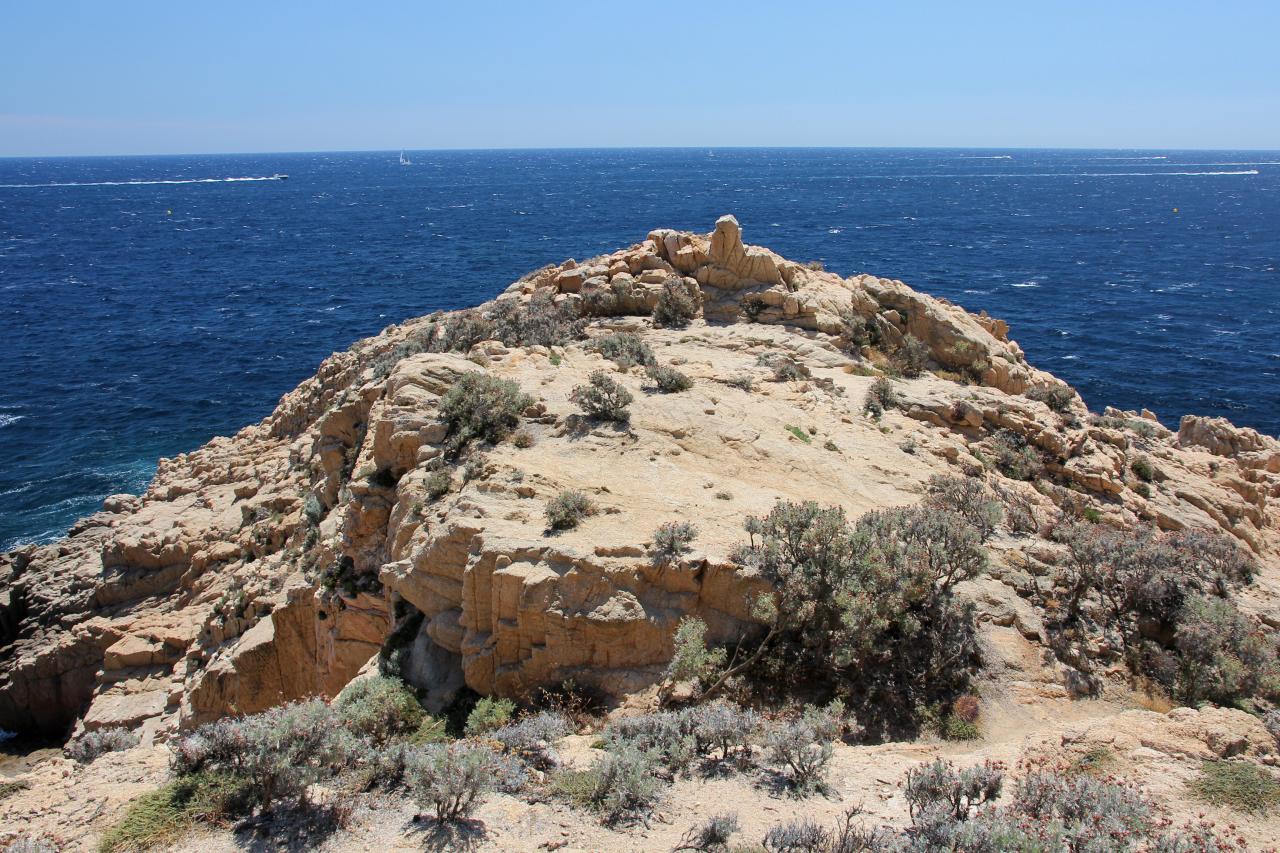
141	183
1031	283
5	420
834	230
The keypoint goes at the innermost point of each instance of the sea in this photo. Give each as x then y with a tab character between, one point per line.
148	304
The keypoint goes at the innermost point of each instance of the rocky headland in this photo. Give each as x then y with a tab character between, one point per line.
355	528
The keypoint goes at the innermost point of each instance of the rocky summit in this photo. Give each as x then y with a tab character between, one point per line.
688	379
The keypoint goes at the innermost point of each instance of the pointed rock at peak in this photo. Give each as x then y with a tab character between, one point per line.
726	242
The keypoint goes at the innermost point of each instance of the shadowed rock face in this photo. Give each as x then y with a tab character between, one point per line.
276	563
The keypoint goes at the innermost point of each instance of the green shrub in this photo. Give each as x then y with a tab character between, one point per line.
1241	785
438	484
9	787
489	714
540	321
868	607
743	382
712	836
856	332
276	753
968	497
531	739
692	660
163	817
788	370
675	306
958	793
1222	655
451	778
626	789
522	439
379	708
722	731
912	357
480	407
461	331
1143	469
802	748
665	737
668	380
1059	398
625	349
90	745
880	396
1165	597
1013	457
672	541
603	398
567	509
799	433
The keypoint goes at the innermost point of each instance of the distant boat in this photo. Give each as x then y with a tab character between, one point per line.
405	161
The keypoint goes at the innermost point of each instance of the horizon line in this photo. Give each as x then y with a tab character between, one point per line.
567	148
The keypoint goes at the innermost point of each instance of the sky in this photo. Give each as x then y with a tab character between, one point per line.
141	77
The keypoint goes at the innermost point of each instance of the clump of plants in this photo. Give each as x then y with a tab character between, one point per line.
379	708
625	349
1013	457
675	306
867	608
488	715
968	497
802	748
1166	599
480	407
1059	398
567	509
1242	785
880	397
99	742
668	380
438	484
603	398
911	358
672	541
540	321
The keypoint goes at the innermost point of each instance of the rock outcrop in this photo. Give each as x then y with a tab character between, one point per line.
274	564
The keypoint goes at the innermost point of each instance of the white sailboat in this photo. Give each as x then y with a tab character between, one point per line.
405	161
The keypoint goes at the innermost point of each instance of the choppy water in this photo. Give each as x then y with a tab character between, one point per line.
149	303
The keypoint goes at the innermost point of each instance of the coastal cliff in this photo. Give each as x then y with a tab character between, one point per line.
278	563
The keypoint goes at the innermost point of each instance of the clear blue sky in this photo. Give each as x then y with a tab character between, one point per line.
151	77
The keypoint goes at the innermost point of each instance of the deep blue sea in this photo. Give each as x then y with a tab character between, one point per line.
150	303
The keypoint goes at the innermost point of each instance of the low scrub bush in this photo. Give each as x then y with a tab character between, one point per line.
163	817
722	731
276	753
489	714
1241	785
621	786
675	306
912	357
969	498
1013	457
90	745
868	607
1166	597
379	708
711	836
480	407
881	396
567	509
625	349
668	380
438	484
540	321
531	739
692	660
788	370
1143	469
603	398
856	332
672	541
452	778
957	793
666	737
802	748
1059	398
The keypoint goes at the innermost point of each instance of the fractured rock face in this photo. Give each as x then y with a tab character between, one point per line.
275	564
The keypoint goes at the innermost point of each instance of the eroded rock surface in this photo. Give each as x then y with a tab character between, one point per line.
274	564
